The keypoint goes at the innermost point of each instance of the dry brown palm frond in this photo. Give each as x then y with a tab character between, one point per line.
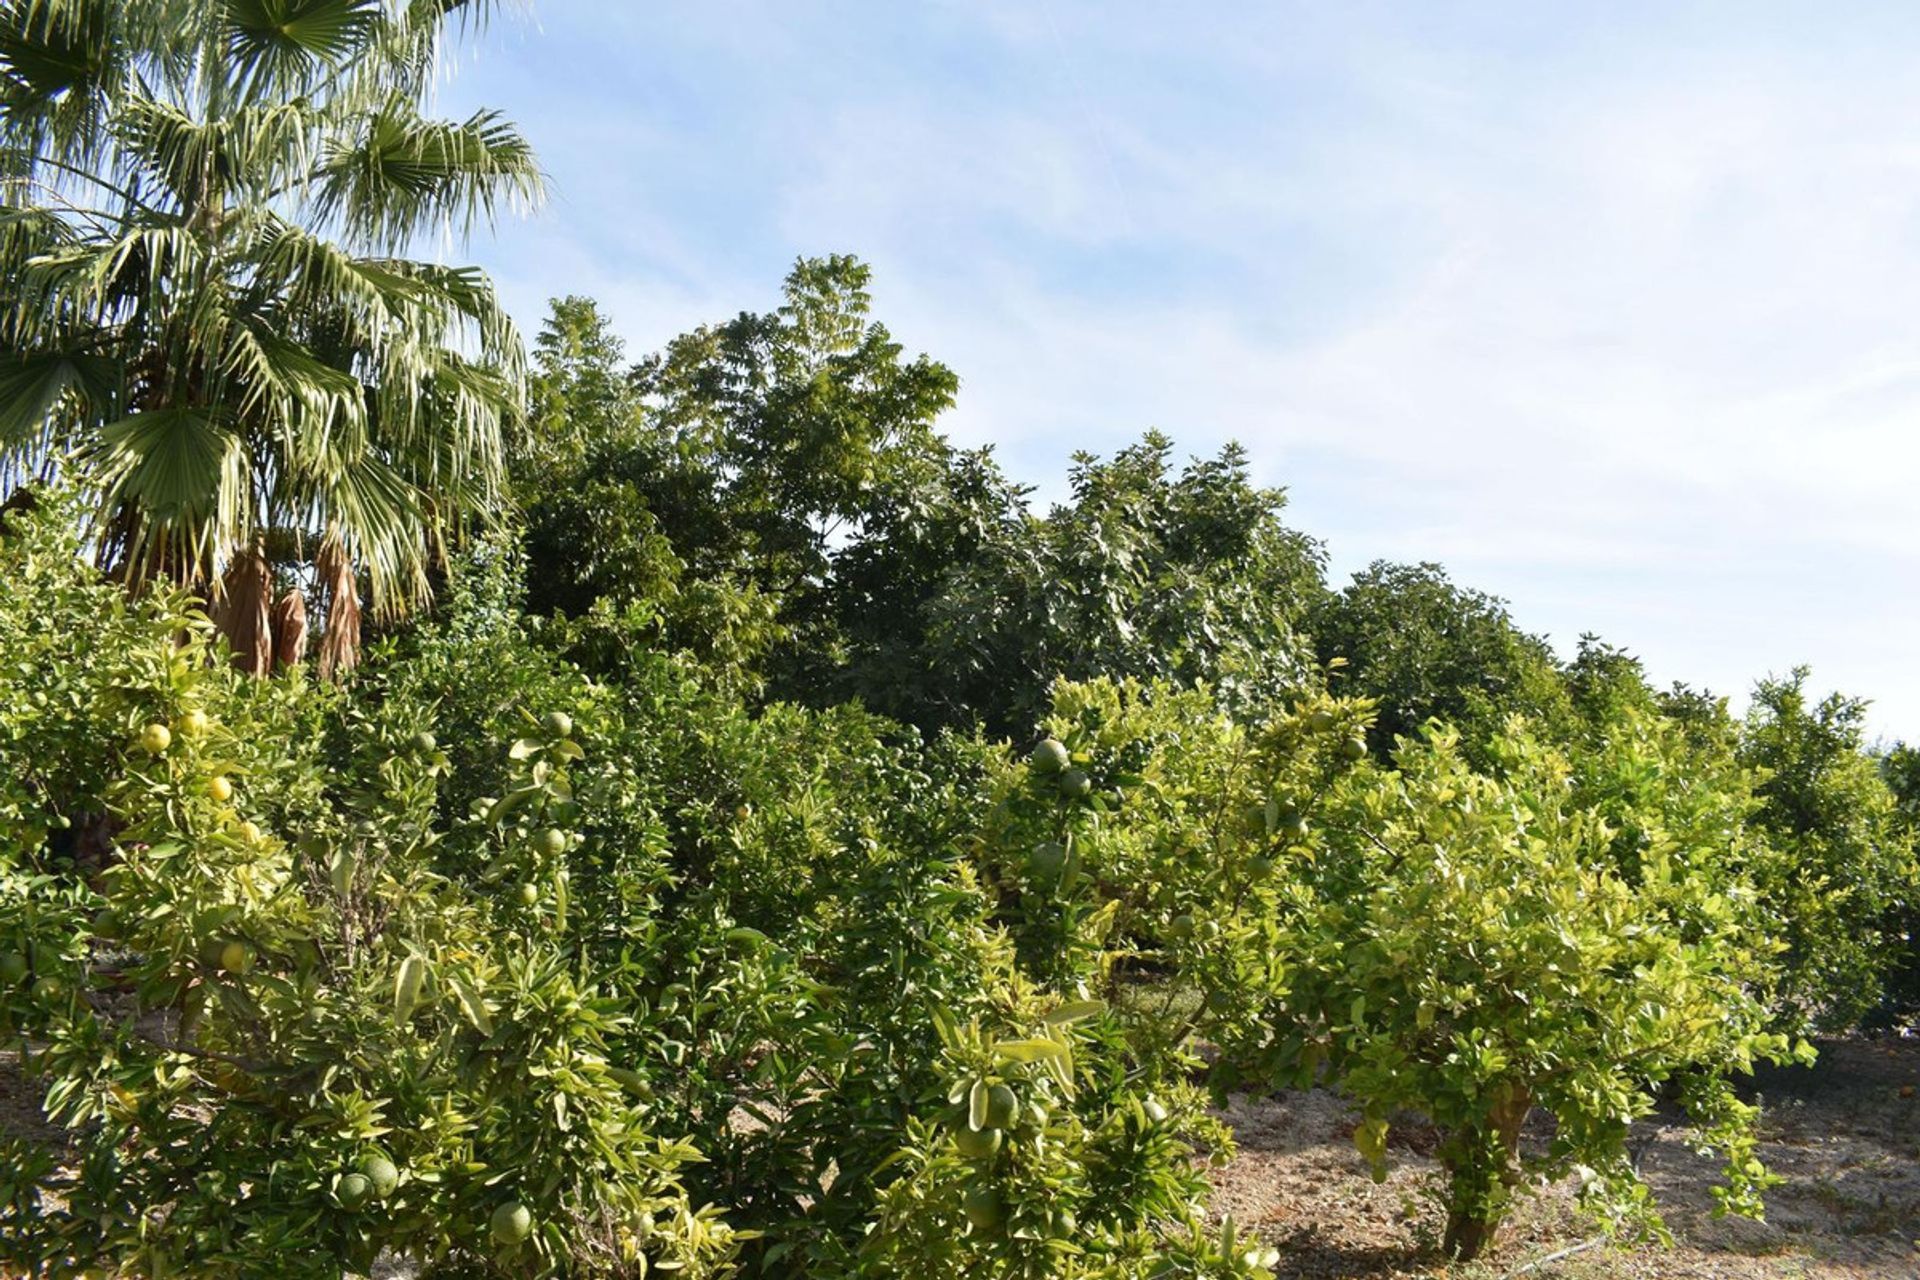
340	643
290	630
246	609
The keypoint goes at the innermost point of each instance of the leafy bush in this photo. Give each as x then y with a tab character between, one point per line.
1843	862
1470	947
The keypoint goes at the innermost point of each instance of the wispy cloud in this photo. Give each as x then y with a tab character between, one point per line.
1614	316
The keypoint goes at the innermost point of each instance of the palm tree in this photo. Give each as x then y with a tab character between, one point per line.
207	314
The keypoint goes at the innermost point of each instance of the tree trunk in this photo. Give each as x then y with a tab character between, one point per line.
1484	1168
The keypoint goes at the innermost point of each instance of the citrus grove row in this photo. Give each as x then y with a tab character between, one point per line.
579	816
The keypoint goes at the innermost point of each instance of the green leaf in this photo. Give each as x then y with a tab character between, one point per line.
1074	1011
471	1003
407	984
977	1100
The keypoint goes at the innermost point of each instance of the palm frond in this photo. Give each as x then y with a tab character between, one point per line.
398	172
187	474
282	46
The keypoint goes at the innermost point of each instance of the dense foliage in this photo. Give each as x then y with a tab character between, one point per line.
204	307
781	851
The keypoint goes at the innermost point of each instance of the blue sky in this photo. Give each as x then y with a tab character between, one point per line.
1614	310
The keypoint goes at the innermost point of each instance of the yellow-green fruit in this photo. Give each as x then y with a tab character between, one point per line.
106	927
1181	928
236	957
379	1171
354	1192
1050	756
156	738
251	833
220	788
1156	1111
559	724
424	742
1062	1224
1003	1107
512	1223
529	894
13	968
977	1144
983	1208
1353	749
1320	721
1077	784
193	724
48	988
1047	860
552	842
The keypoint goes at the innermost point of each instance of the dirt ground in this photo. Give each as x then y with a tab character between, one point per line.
1841	1134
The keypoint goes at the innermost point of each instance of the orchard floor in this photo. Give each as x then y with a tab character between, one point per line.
1845	1140
1841	1134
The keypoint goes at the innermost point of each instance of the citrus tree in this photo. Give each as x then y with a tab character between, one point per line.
1471	946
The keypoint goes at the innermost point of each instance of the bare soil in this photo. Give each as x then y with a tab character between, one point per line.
1844	1135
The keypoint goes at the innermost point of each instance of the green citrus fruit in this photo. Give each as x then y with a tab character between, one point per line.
529	894
1219	1001
1050	756
1260	866
236	957
354	1192
13	968
424	742
977	1144
1048	860
251	833
1076	784
559	724
1156	1110
220	787
106	926
193	724
983	1208
1062	1224
552	842
1320	721
379	1171
512	1222
1181	928
1294	828
156	738
48	988
1353	749
1003	1107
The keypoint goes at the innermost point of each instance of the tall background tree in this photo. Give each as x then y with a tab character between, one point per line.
1423	647
206	309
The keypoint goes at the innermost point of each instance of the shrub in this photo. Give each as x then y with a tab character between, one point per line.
1470	948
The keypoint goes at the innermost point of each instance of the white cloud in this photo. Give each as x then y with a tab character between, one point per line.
1614	321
